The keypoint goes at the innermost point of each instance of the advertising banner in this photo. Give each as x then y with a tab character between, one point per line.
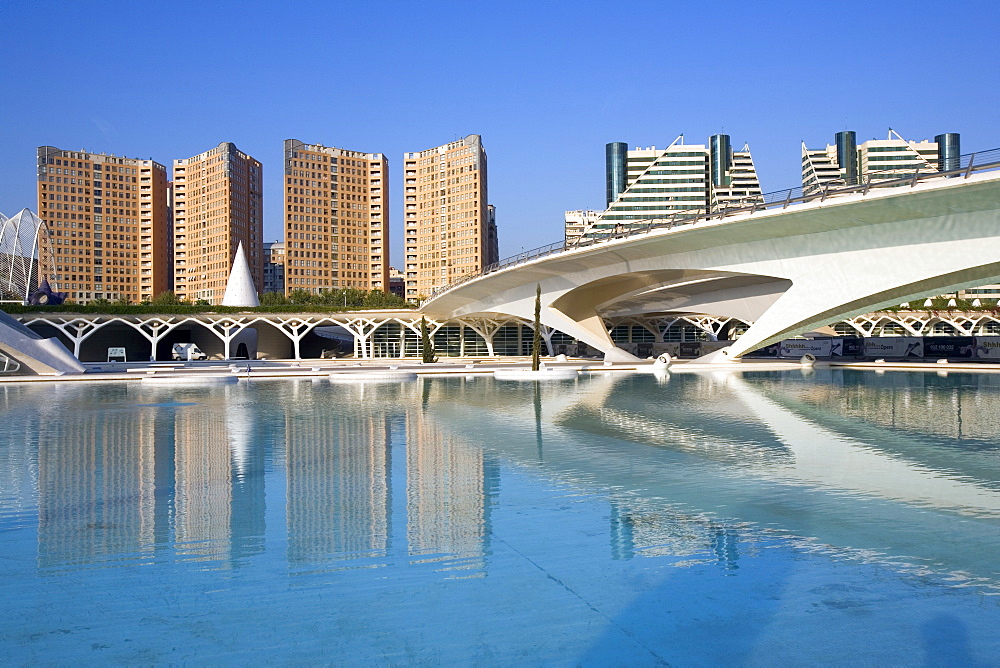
987	347
949	346
894	346
690	349
848	346
798	347
766	351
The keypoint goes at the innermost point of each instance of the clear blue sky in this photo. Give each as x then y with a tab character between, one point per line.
546	84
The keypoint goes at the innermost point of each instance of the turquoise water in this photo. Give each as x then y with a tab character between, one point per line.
764	518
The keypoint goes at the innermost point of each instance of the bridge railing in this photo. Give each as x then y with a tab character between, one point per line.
890	177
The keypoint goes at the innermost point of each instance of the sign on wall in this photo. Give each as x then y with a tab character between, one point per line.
894	346
950	346
798	347
848	346
987	347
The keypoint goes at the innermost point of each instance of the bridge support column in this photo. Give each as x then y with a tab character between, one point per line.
811	302
589	329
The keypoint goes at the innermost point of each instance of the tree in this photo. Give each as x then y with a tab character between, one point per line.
426	347
272	299
166	298
300	296
536	343
380	299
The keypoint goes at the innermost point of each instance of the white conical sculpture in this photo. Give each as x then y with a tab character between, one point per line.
976	302
240	290
952	302
928	303
905	305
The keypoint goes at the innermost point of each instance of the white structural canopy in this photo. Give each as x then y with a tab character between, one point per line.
24	245
240	290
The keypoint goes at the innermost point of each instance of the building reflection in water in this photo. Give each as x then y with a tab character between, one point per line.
954	406
641	532
97	487
345	468
19	431
448	496
141	470
337	466
203	484
131	473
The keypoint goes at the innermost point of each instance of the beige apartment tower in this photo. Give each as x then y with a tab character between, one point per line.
108	219
218	204
449	226
336	219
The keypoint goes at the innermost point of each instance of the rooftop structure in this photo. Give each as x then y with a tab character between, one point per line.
845	162
651	184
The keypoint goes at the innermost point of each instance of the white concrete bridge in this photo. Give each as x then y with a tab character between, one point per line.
788	265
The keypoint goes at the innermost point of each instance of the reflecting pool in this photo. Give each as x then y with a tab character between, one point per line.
755	518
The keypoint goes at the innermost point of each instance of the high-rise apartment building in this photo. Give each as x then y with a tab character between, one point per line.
845	162
651	184
397	283
577	222
108	219
336	218
447	218
218	204
274	266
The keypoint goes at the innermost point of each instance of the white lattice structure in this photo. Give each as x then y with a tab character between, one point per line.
24	252
362	325
394	334
922	323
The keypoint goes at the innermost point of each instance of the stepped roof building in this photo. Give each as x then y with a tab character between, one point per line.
845	162
655	185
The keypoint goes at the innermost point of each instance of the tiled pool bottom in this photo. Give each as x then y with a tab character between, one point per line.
615	520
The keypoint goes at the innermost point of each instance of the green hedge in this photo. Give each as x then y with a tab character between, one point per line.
186	309
300	301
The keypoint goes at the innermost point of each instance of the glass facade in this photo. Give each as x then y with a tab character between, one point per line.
847	156
721	155
949	150
615	157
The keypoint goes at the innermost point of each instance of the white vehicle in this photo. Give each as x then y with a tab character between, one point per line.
188	351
